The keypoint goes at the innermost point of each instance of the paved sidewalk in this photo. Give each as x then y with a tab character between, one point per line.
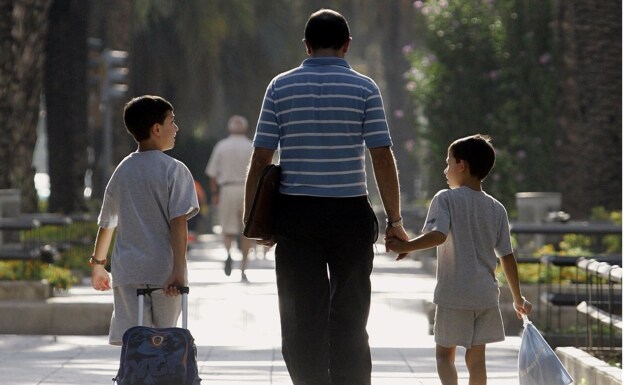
236	327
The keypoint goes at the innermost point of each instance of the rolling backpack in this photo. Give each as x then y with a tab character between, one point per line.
158	356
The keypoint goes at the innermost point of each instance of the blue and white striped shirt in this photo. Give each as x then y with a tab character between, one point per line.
322	114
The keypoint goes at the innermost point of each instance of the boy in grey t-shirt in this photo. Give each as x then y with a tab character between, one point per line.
471	231
148	200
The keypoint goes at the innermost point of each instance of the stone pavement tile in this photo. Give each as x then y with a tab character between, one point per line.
243	365
501	361
28	360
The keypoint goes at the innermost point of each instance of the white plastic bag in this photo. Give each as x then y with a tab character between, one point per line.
537	362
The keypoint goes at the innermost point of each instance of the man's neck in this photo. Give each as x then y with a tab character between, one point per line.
328	52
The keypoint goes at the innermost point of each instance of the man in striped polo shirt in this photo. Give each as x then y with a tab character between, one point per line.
322	116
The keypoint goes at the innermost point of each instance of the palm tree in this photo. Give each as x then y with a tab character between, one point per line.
23	26
66	103
590	109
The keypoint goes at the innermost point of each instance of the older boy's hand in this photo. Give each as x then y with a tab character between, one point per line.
174	283
100	279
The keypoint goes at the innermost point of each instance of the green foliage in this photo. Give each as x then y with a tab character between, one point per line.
572	245
487	67
58	277
75	244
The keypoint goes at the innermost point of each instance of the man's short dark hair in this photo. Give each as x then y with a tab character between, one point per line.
477	151
326	29
142	112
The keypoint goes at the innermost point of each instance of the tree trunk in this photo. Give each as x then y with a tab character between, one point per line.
8	85
66	101
23	26
396	21
590	112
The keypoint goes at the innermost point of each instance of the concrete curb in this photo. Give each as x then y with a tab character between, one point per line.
587	369
55	317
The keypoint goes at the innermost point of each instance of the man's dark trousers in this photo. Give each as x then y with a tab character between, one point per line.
324	258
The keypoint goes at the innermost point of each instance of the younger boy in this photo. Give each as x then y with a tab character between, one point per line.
148	199
471	230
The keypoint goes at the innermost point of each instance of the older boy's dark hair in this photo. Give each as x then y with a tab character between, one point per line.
142	112
477	151
326	29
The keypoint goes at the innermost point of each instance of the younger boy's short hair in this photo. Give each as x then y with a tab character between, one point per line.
477	151
326	29
142	112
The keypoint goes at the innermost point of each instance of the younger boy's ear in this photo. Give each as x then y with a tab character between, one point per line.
155	129
463	166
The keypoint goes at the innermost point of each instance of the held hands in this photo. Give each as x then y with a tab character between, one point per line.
398	246
396	238
522	307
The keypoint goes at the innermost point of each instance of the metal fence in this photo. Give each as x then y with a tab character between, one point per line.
601	305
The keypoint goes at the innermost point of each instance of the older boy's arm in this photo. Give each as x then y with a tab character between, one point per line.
100	279
510	268
179	240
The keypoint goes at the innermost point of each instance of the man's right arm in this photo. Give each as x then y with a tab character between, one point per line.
387	177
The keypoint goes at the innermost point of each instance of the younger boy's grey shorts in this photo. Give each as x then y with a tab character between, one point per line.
159	311
461	327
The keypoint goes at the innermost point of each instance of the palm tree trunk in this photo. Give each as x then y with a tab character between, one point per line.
590	110
23	26
66	101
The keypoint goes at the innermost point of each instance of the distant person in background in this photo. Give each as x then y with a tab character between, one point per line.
227	169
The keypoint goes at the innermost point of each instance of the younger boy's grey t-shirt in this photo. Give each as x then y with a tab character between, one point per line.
477	230
146	191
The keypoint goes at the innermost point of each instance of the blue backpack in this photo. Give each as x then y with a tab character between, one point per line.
158	356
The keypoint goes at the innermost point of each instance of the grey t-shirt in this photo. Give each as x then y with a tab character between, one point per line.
477	230
146	191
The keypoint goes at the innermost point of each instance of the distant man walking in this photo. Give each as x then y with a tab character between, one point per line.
227	168
322	115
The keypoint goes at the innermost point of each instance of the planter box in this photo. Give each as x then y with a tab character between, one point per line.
25	290
54	317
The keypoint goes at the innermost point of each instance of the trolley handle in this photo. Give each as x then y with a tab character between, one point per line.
147	291
144	291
